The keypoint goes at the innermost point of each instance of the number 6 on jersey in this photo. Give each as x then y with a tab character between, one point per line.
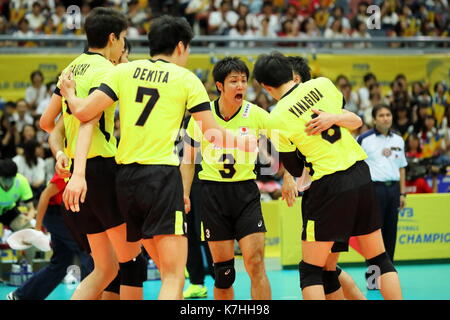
154	96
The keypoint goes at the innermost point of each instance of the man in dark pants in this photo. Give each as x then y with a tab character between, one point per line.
64	247
194	265
386	160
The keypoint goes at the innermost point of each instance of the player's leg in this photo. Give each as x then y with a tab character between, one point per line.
172	254
372	248
315	254
105	268
133	266
351	290
112	291
252	247
223	257
331	285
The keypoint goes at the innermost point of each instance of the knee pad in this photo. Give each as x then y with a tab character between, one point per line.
310	275
330	281
224	274
338	270
114	285
383	262
134	272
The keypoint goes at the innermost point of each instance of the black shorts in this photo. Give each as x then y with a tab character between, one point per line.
231	210
9	215
340	205
151	200
79	237
99	212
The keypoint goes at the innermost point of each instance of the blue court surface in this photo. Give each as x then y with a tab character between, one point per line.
419	282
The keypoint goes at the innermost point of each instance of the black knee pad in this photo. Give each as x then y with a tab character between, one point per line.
114	285
330	281
134	272
310	275
383	262
224	274
338	270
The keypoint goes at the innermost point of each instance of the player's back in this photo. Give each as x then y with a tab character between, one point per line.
153	95
333	150
89	70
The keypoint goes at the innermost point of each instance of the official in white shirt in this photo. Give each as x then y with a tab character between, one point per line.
386	160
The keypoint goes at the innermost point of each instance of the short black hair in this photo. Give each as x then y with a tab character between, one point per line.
378	107
369	76
8	168
273	69
34	73
100	23
127	46
227	65
166	32
300	67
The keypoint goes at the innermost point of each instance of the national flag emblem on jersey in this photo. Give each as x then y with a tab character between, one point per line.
243	131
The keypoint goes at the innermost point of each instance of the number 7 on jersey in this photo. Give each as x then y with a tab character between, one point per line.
154	96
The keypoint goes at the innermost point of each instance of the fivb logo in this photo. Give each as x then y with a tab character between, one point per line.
374	21
73	17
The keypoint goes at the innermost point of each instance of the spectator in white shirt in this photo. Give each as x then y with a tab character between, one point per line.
361	32
336	31
37	92
22	115
241	31
221	21
32	167
35	17
24	29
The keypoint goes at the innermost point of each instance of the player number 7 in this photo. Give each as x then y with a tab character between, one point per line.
154	96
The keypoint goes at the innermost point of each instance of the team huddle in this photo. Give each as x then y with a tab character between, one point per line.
136	193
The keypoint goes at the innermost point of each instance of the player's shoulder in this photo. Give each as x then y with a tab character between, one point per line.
21	178
250	108
320	81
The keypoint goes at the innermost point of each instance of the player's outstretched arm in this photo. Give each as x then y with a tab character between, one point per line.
77	188
47	120
187	169
221	137
50	191
84	109
325	120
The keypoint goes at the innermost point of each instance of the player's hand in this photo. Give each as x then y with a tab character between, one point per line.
402	202
62	165
289	190
247	143
67	84
75	193
322	122
187	204
304	182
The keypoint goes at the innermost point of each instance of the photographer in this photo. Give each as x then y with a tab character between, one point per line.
9	137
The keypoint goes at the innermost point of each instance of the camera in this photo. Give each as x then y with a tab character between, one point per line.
419	168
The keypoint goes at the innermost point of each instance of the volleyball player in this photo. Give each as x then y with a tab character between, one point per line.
340	202
153	95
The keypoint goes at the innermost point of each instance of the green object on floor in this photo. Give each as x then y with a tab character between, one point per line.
195	291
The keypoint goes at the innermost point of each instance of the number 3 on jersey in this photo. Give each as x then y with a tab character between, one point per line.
229	169
154	96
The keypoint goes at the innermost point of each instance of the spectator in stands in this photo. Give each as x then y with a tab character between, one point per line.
265	31
292	15
32	167
389	17
35	18
402	121
416	89
363	92
361	32
221	21
287	31
28	134
135	13
267	12
361	14
321	16
335	31
44	102
338	14
23	115
441	101
37	92
375	99
24	31
241	30
250	18
351	98
308	29
432	140
9	137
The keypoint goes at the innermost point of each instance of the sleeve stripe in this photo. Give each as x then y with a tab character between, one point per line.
92	90
200	107
108	91
191	141
57	91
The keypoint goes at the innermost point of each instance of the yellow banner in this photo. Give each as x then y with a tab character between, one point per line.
423	230
15	70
